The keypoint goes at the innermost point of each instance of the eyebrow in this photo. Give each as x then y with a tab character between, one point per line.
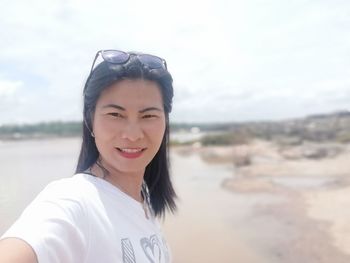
115	106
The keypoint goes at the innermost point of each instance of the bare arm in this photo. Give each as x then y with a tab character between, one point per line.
14	250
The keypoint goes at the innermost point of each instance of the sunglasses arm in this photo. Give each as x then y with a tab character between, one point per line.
93	63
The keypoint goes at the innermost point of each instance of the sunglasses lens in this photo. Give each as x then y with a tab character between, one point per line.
115	56
152	62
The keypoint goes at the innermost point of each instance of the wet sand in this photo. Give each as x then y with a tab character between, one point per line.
332	206
225	216
204	229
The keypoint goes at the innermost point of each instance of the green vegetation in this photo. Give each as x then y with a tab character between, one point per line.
45	129
178	143
343	137
225	139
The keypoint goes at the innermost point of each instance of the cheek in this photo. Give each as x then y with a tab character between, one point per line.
104	128
156	132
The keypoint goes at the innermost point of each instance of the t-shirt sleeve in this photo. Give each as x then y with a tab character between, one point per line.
54	225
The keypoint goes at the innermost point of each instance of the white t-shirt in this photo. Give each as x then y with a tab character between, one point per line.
85	219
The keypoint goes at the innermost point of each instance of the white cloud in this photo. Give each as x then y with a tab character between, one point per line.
8	87
238	57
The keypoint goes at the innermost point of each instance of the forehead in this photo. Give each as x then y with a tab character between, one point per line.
132	93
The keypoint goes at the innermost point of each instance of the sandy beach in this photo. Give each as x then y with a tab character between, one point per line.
331	206
203	229
281	206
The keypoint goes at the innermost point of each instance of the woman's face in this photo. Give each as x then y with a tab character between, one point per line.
129	124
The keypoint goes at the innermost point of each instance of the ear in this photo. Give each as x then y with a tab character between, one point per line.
92	114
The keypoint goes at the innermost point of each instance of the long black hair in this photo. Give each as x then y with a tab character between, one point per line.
157	176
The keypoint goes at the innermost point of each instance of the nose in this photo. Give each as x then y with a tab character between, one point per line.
132	131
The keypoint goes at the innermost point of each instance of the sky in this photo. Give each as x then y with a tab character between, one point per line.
230	60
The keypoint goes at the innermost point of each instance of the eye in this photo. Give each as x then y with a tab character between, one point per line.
115	114
148	116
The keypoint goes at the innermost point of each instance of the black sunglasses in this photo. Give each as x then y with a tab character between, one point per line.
121	57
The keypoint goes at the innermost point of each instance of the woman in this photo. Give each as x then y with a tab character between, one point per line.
107	211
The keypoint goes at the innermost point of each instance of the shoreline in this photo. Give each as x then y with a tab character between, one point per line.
315	193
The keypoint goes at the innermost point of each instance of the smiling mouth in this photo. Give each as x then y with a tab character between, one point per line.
131	153
131	150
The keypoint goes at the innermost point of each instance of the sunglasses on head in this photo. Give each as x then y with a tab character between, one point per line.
121	57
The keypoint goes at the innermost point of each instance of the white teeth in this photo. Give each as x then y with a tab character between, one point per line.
131	150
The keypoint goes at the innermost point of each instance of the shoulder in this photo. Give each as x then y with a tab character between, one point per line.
64	196
56	223
73	188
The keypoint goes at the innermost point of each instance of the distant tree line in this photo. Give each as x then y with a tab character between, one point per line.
333	127
44	129
318	128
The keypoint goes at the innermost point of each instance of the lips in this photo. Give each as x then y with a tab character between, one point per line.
131	152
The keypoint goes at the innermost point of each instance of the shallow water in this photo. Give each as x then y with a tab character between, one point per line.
306	182
212	224
27	167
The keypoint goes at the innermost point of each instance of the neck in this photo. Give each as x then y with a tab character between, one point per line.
129	183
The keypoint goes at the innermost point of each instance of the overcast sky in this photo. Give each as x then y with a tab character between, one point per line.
230	60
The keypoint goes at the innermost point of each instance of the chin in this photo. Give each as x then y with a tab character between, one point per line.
129	168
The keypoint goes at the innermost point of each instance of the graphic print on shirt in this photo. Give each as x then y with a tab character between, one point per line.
152	249
166	251
128	251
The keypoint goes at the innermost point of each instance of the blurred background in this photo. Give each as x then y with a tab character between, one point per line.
260	128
